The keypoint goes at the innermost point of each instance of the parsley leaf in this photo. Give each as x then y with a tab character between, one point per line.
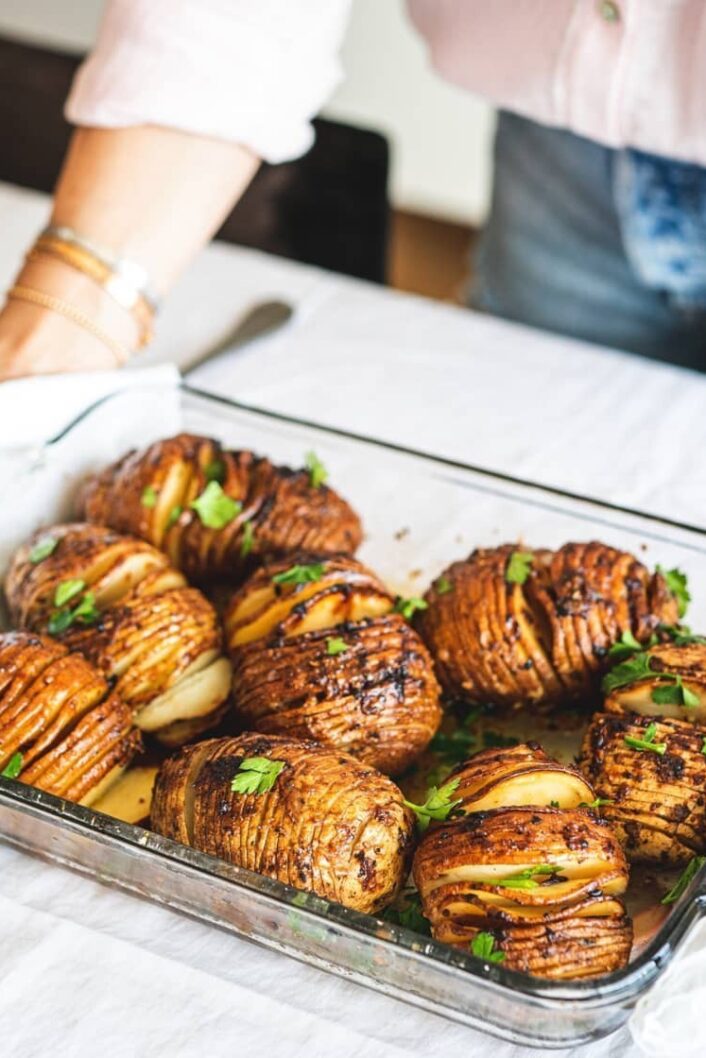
636	668
648	742
300	574
149	496
214	508
67	590
677	582
625	647
703	747
174	515
317	471
675	693
85	612
408	607
438	804
410	916
681	635
43	549
256	775
335	645
599	801
554	804
685	879
526	879
443	585
13	767
483	946
248	541
518	567
496	740
215	471
460	743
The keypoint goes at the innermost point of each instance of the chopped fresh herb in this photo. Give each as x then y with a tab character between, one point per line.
443	585
685	879
43	549
674	693
408	607
336	645
438	804
67	590
681	635
85	612
554	804
214	508
215	471
410	916
149	496
518	567
300	574
635	668
483	946
248	541
256	775
13	767
317	471
625	647
647	742
526	879
598	803
677	582
460	743
703	747
174	515
495	740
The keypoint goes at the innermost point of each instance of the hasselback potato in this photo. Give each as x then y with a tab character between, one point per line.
666	680
60	724
508	626
323	822
376	697
652	772
210	508
511	776
118	601
543	885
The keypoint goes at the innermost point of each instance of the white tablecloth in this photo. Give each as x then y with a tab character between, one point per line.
98	968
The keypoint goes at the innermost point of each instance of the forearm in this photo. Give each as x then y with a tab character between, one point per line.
148	193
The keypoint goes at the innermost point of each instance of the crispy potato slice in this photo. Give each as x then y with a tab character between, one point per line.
518	775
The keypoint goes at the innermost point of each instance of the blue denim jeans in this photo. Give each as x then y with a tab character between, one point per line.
607	246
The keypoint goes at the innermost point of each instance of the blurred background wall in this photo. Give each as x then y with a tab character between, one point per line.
440	137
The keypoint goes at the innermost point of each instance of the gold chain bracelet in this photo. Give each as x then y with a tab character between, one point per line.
70	312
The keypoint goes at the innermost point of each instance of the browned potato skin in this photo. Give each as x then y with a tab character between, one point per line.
329	825
659	802
378	701
492	775
286	513
347	589
584	933
57	710
91	553
687	661
544	641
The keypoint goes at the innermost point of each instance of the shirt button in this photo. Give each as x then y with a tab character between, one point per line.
609	11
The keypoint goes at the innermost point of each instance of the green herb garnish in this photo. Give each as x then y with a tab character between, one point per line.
681	635
674	693
410	916
554	804
518	567
43	549
248	541
483	946
335	645
438	804
635	668
460	744
495	740
13	767
149	496
214	508
67	590
215	471
526	879
85	612
256	775
174	515
408	607
443	585
703	747
647	742
317	471
685	879
598	803
626	646
300	574
677	582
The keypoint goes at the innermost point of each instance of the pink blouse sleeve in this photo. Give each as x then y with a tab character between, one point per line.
251	71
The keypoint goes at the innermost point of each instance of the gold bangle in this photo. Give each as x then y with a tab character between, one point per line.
70	312
86	263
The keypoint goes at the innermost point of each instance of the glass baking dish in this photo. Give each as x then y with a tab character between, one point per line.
420	513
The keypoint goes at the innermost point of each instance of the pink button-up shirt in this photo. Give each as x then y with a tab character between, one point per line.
625	73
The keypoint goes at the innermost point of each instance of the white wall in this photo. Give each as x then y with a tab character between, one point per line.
440	136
